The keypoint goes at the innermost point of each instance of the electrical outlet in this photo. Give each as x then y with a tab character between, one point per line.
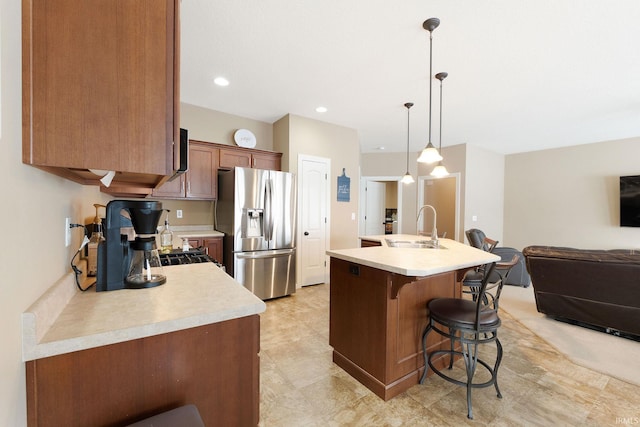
179	213
67	232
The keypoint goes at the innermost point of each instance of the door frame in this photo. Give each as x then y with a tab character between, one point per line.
421	185
327	241
363	181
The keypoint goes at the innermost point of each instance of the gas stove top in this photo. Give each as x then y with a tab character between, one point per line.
178	257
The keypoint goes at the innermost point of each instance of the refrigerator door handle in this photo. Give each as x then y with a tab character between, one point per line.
264	254
268	210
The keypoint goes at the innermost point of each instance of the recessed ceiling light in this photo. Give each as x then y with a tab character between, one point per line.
321	109
380	148
221	81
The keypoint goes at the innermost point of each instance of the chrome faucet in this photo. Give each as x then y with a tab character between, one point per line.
434	231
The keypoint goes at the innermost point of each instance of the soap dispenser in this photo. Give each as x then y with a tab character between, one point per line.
94	241
166	237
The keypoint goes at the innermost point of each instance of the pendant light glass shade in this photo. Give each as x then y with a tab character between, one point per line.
440	170
430	154
407	178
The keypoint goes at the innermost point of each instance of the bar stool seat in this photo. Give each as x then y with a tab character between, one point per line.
462	312
467	323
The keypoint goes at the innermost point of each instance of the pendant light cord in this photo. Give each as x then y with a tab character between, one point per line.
441	76
430	78
408	105
440	148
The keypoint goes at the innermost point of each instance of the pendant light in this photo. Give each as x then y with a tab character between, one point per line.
407	178
440	171
430	154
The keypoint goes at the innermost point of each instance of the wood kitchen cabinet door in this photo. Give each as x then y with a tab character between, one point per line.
202	175
216	367
213	247
249	158
200	181
230	158
100	87
171	189
271	161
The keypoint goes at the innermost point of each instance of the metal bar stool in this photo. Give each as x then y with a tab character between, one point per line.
469	323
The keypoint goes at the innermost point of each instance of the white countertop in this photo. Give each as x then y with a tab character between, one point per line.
65	320
199	233
419	262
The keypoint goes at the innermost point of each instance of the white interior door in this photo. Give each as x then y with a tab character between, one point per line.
313	220
374	208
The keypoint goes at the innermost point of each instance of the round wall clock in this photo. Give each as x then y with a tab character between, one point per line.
244	138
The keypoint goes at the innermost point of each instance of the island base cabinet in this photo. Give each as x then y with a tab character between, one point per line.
215	367
376	324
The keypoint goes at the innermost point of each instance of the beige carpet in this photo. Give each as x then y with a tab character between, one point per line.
611	355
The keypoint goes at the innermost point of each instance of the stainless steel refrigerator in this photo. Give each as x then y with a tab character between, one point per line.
256	209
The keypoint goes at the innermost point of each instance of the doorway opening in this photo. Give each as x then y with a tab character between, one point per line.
380	205
444	195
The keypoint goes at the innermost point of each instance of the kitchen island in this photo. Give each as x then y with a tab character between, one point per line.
378	306
113	358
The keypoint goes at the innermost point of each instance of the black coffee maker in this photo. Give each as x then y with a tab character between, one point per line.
124	264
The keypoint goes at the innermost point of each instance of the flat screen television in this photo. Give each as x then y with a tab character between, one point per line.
630	201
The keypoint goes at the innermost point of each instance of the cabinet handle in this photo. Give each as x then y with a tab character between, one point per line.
189	187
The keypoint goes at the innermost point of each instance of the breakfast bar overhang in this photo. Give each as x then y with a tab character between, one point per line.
378	305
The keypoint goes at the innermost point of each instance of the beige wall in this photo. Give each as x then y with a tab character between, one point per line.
299	135
456	161
391	195
387	164
214	126
281	141
395	165
570	196
440	194
34	204
484	192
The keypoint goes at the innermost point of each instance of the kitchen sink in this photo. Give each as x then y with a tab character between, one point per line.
424	244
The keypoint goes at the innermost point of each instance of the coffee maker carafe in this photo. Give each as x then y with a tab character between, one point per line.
124	264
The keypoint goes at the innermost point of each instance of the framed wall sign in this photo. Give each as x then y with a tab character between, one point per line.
344	187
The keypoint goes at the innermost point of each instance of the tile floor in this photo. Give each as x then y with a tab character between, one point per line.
300	385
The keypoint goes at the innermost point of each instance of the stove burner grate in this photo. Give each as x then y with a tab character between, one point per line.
178	257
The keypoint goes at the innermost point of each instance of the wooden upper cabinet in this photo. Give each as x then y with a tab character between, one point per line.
171	189
271	161
100	88
202	175
200	181
231	157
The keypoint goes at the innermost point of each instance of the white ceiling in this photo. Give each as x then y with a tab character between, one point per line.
524	75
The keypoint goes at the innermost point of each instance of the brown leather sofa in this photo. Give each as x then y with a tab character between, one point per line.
594	288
